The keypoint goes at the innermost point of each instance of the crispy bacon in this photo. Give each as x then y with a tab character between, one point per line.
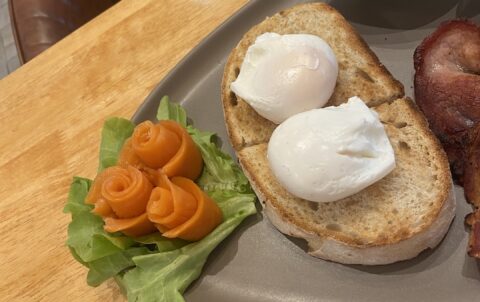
447	90
471	182
473	220
472	190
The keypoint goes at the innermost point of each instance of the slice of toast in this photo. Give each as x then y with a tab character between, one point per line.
394	219
360	72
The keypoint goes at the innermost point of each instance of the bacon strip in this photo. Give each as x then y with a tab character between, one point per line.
472	190
447	86
447	90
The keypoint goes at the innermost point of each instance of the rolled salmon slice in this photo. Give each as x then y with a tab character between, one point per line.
166	146
126	191
188	161
95	192
120	196
206	218
124	195
154	144
103	209
128	157
171	210
171	206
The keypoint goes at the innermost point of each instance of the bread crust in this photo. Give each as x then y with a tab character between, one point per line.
341	246
376	86
335	250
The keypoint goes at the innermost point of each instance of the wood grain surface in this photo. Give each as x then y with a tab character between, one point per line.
51	112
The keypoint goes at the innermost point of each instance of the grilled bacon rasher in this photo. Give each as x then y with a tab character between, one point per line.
447	90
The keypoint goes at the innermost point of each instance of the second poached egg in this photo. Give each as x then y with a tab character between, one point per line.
330	153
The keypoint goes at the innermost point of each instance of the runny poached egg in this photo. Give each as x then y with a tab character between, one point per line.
330	153
282	75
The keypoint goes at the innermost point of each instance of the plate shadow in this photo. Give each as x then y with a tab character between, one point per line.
395	14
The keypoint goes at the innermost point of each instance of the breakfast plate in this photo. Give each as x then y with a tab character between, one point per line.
258	263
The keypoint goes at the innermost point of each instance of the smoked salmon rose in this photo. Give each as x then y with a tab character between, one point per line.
120	196
180	209
166	146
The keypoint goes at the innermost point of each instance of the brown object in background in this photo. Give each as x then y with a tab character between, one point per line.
447	84
447	90
472	190
38	24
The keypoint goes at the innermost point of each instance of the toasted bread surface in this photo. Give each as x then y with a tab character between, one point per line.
360	72
394	219
400	206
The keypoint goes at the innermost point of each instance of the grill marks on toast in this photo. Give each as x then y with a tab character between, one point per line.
360	71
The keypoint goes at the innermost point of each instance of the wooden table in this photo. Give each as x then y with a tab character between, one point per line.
51	112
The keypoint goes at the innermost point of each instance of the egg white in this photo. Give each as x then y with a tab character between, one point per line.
282	75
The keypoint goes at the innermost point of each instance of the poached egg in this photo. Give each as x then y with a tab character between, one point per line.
282	75
330	153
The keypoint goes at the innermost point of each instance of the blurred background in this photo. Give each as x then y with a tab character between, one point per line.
29	27
8	53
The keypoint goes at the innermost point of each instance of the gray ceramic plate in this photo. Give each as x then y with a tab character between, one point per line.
257	263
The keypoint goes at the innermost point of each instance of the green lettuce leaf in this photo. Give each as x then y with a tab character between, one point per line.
165	276
109	266
104	254
171	111
115	131
86	238
154	268
85	233
162	244
221	172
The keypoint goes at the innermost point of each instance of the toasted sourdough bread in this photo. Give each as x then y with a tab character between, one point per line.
394	219
360	72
